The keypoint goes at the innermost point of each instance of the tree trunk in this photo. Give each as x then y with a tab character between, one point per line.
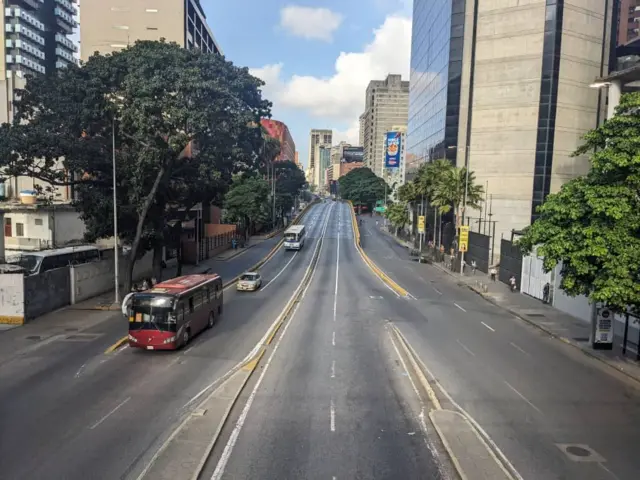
179	254
141	220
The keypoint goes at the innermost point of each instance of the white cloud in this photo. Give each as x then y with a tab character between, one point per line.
351	135
341	96
311	23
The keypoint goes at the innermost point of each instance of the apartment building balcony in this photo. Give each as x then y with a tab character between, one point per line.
64	20
68	6
26	62
22	30
66	43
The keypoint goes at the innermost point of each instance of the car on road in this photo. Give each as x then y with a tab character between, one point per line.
249	282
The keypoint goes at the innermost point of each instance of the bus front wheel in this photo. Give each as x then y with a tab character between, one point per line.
186	336
212	320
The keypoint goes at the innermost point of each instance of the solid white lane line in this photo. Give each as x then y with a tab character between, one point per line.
335	292
517	348
464	347
488	326
280	272
333	339
332	414
523	397
437	291
333	369
110	413
460	307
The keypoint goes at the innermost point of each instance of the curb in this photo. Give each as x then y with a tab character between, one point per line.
237	253
376	270
117	345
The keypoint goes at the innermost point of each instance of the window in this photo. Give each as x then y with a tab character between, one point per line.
7	227
19	229
191	305
38	221
152	28
151	10
121	27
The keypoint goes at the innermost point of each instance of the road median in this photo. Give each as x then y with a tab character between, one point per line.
388	281
472	453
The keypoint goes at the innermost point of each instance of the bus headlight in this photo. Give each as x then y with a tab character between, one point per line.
169	340
132	338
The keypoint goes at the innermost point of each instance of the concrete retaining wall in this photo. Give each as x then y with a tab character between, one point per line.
46	292
91	279
12	298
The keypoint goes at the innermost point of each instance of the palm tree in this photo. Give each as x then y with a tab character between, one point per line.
449	191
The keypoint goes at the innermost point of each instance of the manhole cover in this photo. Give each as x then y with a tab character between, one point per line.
578	451
581	339
535	315
71	329
34	337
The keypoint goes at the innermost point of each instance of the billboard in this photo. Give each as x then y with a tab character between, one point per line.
352	154
392	150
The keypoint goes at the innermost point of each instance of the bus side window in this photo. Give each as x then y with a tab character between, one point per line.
208	294
191	305
180	312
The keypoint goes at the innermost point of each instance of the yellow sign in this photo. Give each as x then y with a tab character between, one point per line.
421	224
463	246
464	233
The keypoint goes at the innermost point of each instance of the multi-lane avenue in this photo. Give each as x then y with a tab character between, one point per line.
332	397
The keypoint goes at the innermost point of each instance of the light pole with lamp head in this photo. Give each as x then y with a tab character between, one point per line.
116	249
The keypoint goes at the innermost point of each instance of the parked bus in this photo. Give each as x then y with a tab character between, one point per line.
294	237
40	262
170	314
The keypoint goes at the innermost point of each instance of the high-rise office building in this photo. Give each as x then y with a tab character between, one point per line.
361	130
111	25
322	157
317	137
387	103
628	21
36	39
505	89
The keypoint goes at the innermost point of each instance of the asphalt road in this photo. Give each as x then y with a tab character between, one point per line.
333	402
69	411
530	393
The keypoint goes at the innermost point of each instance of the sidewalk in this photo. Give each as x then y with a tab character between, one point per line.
566	328
253	241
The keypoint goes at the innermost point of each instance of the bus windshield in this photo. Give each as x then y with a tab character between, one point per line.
290	237
152	312
31	263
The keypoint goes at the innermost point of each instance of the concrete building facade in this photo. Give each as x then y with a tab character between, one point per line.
506	92
316	138
280	132
111	25
386	105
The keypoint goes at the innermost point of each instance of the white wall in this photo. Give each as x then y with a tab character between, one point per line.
534	278
12	299
68	227
41	226
91	279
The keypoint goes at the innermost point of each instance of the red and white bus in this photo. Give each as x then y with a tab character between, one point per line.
168	315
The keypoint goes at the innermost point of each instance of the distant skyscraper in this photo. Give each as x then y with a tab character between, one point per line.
317	137
387	104
280	131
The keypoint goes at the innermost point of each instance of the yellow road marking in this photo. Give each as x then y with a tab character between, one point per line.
117	345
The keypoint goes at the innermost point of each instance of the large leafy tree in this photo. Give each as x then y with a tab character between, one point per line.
247	201
448	191
592	225
362	187
181	118
289	182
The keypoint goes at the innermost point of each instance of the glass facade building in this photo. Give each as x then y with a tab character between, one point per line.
436	71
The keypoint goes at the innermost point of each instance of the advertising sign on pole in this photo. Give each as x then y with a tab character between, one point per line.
603	338
392	151
464	238
421	222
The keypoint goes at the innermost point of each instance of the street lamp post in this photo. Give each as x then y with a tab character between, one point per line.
116	253
464	203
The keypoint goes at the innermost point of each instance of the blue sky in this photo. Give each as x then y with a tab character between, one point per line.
316	56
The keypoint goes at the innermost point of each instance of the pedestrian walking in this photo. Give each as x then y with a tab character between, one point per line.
545	293
494	273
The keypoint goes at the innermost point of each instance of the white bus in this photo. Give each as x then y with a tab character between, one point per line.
40	262
294	237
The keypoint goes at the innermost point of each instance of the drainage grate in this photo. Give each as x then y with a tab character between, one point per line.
34	337
581	339
578	452
71	329
535	314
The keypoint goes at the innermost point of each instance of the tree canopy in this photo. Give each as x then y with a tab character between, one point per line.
362	187
184	121
398	215
592	225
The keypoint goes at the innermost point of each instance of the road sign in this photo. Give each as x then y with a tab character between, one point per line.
421	224
464	238
463	246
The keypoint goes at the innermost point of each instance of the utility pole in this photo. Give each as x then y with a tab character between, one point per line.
116	253
464	202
